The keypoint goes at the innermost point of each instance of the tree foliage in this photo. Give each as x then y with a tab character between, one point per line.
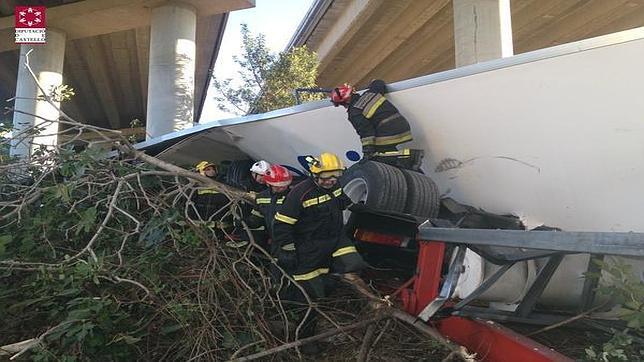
266	80
100	260
627	290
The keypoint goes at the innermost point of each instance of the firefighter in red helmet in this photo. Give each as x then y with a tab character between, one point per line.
278	178
378	123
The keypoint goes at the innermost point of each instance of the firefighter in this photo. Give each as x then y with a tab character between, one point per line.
278	179
379	124
254	185
308	233
209	204
257	172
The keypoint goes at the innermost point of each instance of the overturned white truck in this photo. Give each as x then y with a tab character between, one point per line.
552	136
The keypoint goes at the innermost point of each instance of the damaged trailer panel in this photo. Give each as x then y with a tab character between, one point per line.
553	136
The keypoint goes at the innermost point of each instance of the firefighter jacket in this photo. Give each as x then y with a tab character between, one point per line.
376	120
311	220
210	206
250	185
263	213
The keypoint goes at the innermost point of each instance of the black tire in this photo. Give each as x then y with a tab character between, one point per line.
386	188
423	198
238	174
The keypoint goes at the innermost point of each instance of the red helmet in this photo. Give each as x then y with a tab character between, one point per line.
278	176
341	95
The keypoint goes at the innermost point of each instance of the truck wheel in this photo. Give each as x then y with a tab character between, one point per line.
377	185
238	174
423	198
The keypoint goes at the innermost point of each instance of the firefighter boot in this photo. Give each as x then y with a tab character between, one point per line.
416	159
409	159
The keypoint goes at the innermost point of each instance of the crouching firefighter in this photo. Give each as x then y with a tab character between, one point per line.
379	124
309	238
210	204
254	185
278	179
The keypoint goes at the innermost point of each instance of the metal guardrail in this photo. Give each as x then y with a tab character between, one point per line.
608	243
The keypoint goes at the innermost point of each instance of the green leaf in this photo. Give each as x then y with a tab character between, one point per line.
80	314
69	292
171	329
632	304
4	240
267	79
126	338
62	192
87	220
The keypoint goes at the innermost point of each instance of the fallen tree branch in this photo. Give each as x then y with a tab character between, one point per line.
566	321
24	346
231	192
318	337
453	354
459	351
382	333
10	349
421	326
106	219
127	148
125	280
367	342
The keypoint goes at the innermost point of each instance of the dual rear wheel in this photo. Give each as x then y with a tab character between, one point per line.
384	187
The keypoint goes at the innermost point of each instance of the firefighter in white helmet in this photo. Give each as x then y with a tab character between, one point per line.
258	171
255	185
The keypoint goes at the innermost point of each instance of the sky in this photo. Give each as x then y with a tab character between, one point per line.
276	19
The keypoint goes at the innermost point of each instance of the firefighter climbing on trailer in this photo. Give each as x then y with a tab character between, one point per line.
278	179
309	236
379	124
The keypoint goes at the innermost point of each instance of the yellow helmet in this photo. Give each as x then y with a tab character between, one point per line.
325	163
201	166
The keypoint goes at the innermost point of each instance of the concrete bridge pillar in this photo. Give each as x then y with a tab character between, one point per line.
172	69
46	61
482	30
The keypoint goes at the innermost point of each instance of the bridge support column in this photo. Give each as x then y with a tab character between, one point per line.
172	69
46	61
482	30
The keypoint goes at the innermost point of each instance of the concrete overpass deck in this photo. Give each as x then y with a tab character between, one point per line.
107	53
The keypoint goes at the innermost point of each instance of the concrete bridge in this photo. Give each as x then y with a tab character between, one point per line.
359	40
126	59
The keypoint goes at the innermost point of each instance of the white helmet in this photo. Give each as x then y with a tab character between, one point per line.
260	167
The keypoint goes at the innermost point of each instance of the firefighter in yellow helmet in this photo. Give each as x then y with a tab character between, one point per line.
209	204
308	232
207	168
